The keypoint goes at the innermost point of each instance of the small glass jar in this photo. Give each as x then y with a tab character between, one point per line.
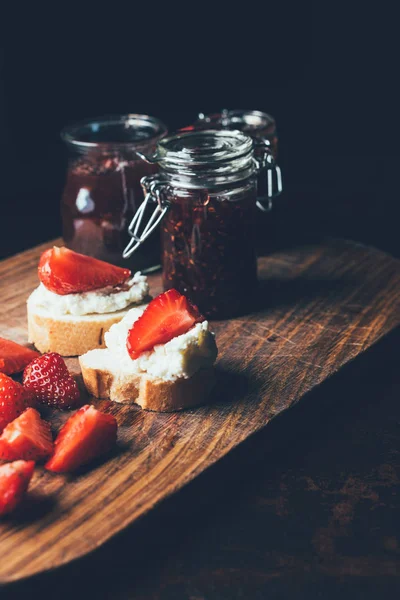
261	127
102	190
205	195
255	123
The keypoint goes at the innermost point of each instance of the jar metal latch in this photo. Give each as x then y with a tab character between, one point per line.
265	162
152	186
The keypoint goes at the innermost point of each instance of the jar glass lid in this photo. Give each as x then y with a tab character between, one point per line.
116	131
206	158
202	148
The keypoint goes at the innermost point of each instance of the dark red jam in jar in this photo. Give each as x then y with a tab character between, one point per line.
261	127
102	190
208	249
205	196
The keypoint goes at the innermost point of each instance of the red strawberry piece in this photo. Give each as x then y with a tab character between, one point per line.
28	437
14	399
86	435
48	378
167	316
14	357
63	271
14	482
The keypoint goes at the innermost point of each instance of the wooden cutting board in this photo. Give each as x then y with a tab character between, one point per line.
319	307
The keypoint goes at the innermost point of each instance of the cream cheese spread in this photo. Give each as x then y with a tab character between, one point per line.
105	300
179	358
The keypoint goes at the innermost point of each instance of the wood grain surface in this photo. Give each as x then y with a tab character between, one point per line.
318	307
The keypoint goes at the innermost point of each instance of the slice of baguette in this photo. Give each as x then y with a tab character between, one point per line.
69	335
149	393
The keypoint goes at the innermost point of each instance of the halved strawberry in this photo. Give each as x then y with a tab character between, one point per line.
48	378
86	435
14	399
28	437
167	316
14	357
63	271
14	482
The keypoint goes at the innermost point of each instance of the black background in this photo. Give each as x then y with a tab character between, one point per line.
327	75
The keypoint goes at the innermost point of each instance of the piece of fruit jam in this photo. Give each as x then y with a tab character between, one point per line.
208	249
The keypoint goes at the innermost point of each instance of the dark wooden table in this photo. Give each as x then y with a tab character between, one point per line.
307	508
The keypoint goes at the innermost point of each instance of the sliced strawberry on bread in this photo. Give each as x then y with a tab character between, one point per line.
14	357
167	316
86	435
28	437
49	380
14	399
14	481
63	271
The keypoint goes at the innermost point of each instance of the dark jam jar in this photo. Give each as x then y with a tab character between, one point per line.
205	196
255	123
102	190
261	127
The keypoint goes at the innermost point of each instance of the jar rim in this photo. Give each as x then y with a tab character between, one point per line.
252	119
203	148
144	128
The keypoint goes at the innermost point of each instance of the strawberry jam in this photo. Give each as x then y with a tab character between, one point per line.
208	249
102	190
205	195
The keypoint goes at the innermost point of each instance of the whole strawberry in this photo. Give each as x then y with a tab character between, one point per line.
50	381
14	399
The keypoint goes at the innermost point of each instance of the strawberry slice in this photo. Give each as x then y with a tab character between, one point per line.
86	435
28	437
167	316
14	399
14	357
49	380
14	482
63	271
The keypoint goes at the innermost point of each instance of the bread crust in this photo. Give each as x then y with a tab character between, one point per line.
166	396
70	336
148	393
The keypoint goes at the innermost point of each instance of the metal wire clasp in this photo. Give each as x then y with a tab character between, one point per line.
152	187
265	162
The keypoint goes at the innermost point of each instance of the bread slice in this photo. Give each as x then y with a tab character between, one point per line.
69	335
147	392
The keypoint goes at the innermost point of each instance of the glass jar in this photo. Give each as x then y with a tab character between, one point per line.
261	127
258	125
205	196
102	190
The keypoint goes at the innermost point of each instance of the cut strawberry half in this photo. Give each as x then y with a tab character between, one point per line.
48	379
28	437
63	271
14	482
14	399
14	357
167	316
86	435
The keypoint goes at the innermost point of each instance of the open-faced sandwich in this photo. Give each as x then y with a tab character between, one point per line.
78	300
160	357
